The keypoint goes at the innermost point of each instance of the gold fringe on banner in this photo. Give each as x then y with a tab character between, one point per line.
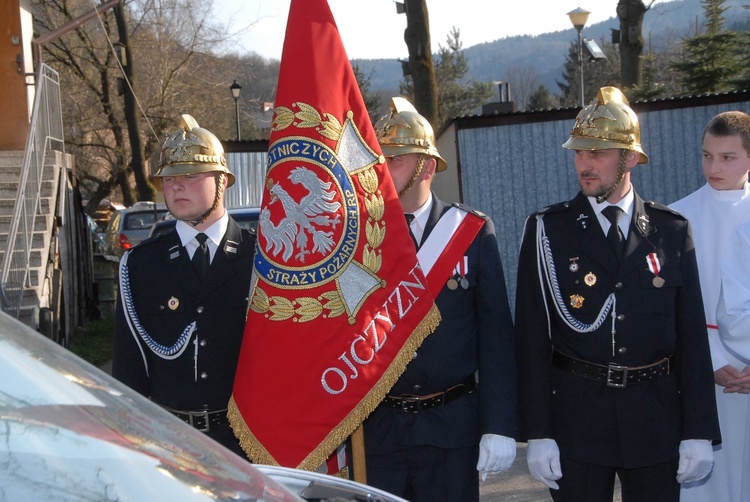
320	454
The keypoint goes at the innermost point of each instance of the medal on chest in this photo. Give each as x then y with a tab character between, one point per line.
459	275
655	267
173	303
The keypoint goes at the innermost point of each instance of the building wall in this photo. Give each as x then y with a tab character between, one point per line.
15	26
249	169
447	184
514	165
248	161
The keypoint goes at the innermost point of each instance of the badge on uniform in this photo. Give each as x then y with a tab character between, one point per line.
173	303
459	275
589	279
582	221
643	222
576	301
573	267
655	267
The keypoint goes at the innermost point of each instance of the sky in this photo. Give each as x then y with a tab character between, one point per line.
371	29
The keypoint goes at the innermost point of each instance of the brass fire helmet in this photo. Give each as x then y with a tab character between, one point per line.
191	150
403	130
608	122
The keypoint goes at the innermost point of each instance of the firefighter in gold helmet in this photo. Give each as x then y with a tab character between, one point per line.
615	375
608	123
438	425
190	152
183	295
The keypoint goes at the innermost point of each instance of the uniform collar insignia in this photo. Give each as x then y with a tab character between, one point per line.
643	222
231	246
174	252
582	221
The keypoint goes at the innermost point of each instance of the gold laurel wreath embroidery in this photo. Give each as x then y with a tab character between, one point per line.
330	303
372	257
327	125
283	309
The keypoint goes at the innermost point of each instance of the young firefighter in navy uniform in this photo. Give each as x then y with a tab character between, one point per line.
614	367
438	426
182	304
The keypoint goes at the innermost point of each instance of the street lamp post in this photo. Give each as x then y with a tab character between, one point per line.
236	88
579	17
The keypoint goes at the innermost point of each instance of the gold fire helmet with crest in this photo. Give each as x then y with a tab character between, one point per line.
191	150
403	130
608	122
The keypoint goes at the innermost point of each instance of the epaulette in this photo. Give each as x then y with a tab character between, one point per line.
662	207
555	208
470	210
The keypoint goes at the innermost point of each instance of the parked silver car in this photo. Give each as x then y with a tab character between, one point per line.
70	432
127	227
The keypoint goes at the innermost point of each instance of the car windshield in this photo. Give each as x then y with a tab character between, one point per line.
69	432
142	220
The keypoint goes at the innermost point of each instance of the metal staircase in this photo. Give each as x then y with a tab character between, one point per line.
32	202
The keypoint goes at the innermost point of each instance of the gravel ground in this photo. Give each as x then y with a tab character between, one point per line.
517	485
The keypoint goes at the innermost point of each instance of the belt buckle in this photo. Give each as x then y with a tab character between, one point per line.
195	417
410	404
612	371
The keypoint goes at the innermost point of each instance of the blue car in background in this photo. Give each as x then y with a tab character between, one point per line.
246	217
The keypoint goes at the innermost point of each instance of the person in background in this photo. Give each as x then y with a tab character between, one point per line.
715	211
183	295
453	410
614	367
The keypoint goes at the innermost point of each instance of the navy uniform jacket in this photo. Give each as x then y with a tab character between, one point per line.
476	334
167	298
641	424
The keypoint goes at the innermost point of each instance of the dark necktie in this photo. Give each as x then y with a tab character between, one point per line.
201	257
614	235
409	218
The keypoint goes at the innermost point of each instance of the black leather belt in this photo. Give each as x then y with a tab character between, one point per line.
202	420
613	375
415	404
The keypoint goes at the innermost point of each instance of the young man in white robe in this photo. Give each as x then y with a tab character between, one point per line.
715	211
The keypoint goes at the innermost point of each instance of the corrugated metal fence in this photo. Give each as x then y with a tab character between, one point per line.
249	169
512	165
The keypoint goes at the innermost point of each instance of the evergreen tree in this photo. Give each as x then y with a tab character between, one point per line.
596	74
541	99
743	57
456	96
709	64
372	100
651	87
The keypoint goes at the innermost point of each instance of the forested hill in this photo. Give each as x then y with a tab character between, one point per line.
666	23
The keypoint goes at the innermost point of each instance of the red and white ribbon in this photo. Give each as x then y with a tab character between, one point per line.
653	263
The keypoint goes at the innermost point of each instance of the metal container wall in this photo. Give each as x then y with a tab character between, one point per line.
513	165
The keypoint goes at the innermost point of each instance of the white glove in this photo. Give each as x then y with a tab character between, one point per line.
543	458
696	460
496	454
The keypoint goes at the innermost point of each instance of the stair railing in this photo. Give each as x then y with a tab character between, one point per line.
45	134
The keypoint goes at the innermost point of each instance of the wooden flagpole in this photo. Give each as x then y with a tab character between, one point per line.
358	456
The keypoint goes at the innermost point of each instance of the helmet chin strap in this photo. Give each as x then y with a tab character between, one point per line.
620	174
413	179
217	198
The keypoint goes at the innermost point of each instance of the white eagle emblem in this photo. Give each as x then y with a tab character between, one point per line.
292	231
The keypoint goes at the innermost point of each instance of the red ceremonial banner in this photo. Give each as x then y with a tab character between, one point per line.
338	302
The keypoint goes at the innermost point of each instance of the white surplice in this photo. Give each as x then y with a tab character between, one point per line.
714	216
